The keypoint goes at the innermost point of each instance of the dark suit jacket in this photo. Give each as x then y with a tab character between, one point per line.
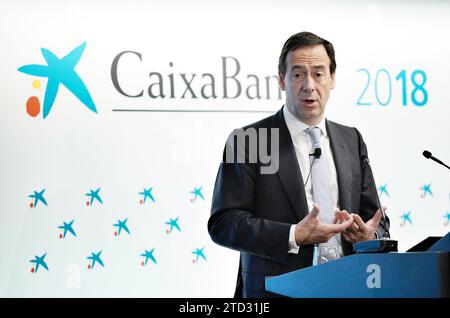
253	212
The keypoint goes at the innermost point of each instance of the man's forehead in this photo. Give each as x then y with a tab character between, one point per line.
315	55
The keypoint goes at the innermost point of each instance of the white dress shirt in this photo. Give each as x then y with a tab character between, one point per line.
302	146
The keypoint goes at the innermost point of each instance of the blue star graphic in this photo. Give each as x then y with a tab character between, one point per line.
95	257
60	71
199	253
94	195
122	225
149	255
447	218
406	217
173	223
38	196
67	227
39	261
147	193
197	192
426	189
383	189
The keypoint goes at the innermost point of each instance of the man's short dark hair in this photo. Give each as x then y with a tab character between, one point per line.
304	39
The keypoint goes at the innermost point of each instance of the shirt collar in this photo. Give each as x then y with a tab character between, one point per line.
296	127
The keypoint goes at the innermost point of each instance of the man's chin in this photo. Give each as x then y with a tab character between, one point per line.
311	118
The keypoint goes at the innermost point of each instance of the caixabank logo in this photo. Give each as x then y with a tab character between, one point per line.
58	71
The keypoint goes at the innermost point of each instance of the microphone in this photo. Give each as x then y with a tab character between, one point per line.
385	244
317	153
429	155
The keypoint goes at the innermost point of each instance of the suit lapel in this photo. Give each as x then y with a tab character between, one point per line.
342	163
289	171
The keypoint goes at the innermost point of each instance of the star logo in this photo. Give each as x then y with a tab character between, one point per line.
57	71
39	261
406	217
94	195
37	196
383	189
447	218
95	258
197	192
147	193
198	253
148	256
66	227
426	190
173	224
121	225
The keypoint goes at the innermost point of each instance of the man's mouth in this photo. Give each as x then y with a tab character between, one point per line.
308	101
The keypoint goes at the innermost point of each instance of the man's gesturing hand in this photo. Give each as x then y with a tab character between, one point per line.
358	231
311	230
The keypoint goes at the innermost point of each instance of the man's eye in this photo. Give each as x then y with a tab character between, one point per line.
319	74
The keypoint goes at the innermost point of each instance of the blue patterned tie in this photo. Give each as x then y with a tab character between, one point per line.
320	178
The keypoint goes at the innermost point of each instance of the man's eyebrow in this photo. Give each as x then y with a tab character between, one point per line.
302	67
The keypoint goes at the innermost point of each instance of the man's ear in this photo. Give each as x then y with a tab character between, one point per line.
281	81
333	80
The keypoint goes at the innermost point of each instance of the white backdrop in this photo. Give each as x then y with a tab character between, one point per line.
74	150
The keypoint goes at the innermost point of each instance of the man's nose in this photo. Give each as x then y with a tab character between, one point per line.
308	84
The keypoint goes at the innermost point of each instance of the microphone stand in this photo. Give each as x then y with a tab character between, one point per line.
385	244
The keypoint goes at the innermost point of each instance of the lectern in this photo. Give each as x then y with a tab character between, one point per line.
411	274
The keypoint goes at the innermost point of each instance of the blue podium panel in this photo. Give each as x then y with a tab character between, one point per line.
423	274
414	274
443	245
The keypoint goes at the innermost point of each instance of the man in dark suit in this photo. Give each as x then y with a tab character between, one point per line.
276	220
